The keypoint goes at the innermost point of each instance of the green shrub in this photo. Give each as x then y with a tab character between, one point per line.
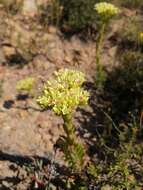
124	85
50	13
78	14
73	15
126	153
130	32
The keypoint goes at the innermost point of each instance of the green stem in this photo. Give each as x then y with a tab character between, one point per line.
99	46
69	128
74	152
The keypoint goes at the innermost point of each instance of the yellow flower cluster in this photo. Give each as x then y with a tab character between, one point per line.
64	93
25	84
141	37
106	10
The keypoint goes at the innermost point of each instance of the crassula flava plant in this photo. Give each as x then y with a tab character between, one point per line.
63	95
106	12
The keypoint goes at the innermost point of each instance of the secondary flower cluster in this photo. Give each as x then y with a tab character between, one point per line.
106	10
141	37
64	93
25	84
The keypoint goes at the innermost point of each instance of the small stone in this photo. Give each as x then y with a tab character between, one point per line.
67	59
52	30
9	51
22	174
106	187
86	135
29	8
5	184
112	51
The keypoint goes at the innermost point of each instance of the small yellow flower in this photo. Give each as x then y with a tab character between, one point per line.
25	84
106	10
141	36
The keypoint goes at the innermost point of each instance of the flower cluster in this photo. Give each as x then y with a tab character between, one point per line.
64	93
25	84
141	37
106	10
